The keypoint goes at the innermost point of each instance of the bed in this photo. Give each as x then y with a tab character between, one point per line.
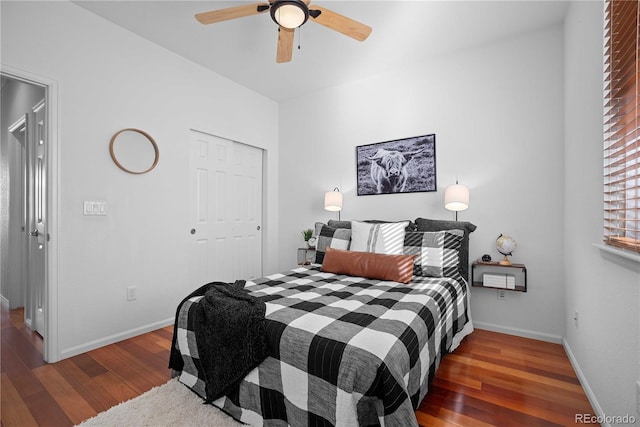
345	349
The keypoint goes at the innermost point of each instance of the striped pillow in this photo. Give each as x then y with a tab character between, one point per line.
381	238
437	252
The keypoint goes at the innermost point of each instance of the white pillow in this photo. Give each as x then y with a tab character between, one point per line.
381	238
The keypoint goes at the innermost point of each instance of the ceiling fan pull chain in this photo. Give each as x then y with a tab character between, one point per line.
299	36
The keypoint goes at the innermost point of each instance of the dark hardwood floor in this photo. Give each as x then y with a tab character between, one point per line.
490	380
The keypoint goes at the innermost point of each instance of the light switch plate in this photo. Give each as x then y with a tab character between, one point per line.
94	208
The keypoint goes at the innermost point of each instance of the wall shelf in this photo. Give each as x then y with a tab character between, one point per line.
306	256
515	276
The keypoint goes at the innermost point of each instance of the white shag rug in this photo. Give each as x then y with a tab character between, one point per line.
171	404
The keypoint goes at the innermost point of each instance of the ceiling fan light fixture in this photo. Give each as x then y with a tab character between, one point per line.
289	13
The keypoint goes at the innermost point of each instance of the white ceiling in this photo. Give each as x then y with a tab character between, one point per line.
404	32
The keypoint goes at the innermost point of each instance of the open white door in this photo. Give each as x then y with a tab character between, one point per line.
226	209
37	215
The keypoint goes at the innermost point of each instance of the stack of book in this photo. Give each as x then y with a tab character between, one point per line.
493	280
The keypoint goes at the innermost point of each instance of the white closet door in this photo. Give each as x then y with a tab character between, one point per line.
226	209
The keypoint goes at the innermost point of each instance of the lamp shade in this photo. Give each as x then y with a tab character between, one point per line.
333	200
289	13
456	197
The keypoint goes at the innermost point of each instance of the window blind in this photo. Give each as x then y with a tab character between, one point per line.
621	133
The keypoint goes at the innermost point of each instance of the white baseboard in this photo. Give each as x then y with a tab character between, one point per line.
92	345
584	383
556	339
4	301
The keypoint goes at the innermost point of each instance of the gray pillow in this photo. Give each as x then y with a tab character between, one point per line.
339	224
347	224
425	224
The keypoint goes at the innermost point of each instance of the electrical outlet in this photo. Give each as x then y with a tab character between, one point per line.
131	293
502	295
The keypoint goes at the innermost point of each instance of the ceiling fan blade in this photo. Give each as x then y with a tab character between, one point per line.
231	13
340	23
285	45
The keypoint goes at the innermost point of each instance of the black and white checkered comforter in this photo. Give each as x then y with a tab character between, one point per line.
344	350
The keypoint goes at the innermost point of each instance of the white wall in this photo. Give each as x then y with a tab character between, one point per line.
109	79
602	288
497	112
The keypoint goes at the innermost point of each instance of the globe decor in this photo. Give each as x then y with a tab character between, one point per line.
506	245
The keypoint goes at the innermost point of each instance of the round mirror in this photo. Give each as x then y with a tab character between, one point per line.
134	151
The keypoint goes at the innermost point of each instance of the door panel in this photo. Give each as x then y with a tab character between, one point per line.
226	209
37	214
249	210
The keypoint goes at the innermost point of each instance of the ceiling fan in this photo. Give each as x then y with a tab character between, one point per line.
289	15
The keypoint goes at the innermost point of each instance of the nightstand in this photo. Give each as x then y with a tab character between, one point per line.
306	256
497	276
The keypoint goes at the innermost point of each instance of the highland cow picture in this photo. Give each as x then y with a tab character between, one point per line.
400	166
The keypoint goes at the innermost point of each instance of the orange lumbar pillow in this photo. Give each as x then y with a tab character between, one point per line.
398	268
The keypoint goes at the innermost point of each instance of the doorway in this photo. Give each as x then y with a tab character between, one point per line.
25	197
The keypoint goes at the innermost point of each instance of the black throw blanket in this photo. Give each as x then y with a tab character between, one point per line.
229	327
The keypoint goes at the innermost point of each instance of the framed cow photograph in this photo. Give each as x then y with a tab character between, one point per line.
401	166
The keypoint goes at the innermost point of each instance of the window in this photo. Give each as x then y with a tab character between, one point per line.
621	132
